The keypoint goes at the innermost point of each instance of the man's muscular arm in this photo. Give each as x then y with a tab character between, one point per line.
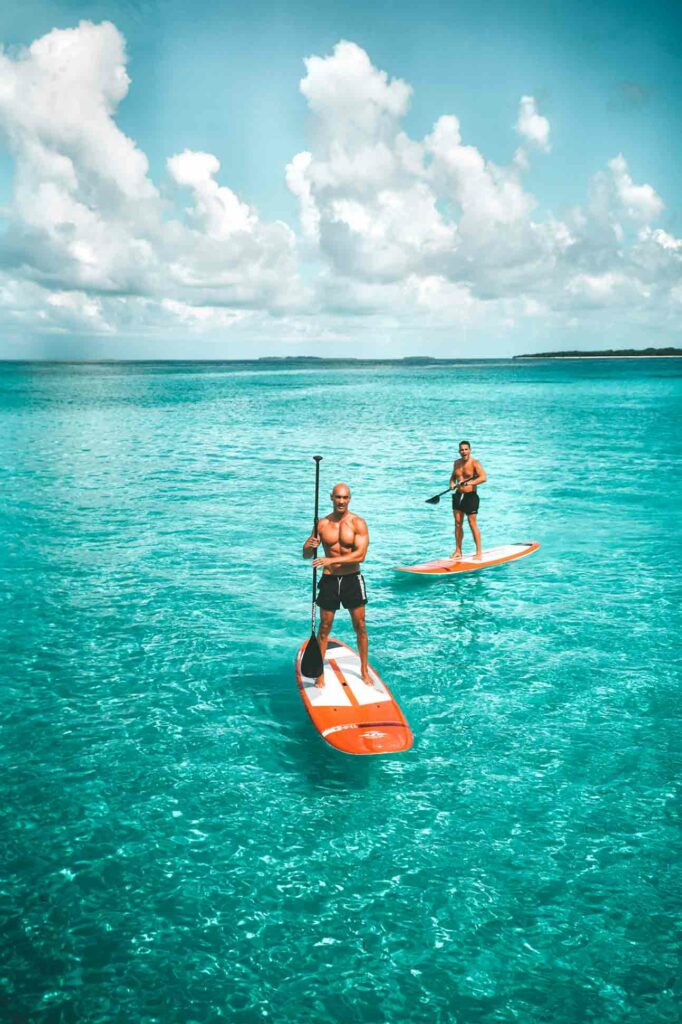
312	542
358	552
479	476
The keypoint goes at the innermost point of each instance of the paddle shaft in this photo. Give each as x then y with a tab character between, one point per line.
318	460
460	483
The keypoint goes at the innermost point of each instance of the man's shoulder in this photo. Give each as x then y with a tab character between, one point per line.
358	520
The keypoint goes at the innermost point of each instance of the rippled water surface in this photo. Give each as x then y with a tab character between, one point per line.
178	845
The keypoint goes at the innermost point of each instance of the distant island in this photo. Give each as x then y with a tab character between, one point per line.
409	360
606	353
355	362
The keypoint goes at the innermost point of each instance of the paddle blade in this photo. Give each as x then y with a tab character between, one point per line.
311	662
434	500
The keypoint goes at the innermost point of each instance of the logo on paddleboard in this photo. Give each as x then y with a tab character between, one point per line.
374	735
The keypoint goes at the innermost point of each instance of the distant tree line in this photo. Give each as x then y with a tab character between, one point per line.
572	353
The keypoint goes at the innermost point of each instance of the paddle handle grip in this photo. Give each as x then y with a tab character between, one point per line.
460	483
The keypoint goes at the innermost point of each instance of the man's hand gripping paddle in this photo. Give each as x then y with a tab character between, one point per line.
436	498
312	665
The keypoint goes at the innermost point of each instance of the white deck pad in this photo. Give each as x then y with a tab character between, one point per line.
334	693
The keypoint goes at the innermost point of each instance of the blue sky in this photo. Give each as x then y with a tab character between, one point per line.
516	186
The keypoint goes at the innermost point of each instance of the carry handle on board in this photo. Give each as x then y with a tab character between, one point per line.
436	498
312	665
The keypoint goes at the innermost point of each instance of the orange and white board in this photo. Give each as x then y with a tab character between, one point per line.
493	556
350	715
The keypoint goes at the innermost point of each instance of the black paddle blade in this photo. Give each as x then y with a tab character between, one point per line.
434	500
311	662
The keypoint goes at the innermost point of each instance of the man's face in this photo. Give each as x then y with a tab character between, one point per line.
340	498
465	451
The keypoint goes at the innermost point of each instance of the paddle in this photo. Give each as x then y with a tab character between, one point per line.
312	665
436	498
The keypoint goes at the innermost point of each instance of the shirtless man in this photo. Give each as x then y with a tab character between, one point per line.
345	539
465	499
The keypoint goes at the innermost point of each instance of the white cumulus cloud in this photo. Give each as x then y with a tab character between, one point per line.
639	201
398	231
351	96
531	125
217	209
85	214
435	223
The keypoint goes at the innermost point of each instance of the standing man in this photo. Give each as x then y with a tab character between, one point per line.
467	475
345	538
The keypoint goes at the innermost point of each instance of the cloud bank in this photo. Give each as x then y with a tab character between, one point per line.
407	234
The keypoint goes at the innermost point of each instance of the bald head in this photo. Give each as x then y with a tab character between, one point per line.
340	497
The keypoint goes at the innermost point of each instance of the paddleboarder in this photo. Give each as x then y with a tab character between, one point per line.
345	538
467	475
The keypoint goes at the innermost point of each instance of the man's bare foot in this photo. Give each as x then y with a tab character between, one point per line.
319	682
456	556
366	678
477	557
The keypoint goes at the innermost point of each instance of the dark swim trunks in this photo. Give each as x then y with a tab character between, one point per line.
334	591
466	502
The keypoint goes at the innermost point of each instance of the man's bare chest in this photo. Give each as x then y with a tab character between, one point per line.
465	470
340	535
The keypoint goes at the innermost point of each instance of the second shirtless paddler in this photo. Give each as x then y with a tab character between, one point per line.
345	539
467	474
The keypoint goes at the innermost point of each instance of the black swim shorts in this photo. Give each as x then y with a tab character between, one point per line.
334	591
465	501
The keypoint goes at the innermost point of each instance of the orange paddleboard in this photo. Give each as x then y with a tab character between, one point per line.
350	715
494	556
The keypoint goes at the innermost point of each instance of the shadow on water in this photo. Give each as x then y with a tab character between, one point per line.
327	770
301	750
469	585
411	583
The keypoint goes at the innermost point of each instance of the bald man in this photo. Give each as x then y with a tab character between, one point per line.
345	539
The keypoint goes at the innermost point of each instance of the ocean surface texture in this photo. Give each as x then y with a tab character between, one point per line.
178	845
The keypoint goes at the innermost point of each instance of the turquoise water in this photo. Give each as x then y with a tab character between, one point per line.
178	845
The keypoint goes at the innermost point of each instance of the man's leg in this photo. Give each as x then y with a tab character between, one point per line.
324	629
477	534
357	616
459	533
